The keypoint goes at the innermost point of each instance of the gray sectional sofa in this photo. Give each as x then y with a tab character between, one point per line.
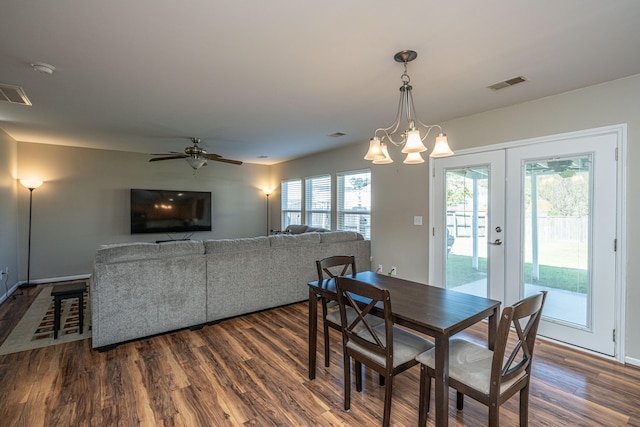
143	289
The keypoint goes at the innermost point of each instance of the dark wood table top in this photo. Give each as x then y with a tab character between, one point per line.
423	307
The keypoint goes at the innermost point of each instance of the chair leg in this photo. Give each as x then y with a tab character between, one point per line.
425	396
494	414
326	333
388	392
459	401
524	406
358	369
347	382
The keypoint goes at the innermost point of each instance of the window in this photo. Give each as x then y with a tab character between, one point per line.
354	202
318	201
291	202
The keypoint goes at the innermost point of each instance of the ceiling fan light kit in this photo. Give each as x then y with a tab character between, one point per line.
409	139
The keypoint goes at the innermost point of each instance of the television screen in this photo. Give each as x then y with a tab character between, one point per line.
169	211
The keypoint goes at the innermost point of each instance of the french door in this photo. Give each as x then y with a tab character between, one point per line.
539	216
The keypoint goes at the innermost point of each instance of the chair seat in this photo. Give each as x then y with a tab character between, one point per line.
334	317
469	363
406	345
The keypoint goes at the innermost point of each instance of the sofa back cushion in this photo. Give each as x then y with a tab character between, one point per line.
236	245
282	240
125	252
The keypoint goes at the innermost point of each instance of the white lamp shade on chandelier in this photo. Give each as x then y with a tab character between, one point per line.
410	139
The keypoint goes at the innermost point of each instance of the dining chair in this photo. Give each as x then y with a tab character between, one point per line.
385	348
328	269
490	376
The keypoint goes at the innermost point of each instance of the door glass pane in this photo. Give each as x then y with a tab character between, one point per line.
466	243
556	239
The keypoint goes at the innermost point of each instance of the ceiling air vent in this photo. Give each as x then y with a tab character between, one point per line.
13	94
507	83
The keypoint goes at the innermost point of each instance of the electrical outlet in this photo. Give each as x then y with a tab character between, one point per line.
380	269
394	271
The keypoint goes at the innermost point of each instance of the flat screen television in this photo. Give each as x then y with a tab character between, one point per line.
170	211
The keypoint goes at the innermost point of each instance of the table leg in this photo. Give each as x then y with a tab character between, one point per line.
81	311
313	332
56	317
442	380
493	328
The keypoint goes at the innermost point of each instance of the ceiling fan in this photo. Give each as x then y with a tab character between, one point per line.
195	155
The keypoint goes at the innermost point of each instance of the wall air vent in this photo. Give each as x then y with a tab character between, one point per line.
13	94
507	83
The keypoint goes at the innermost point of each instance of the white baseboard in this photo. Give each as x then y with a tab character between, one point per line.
632	361
57	279
15	286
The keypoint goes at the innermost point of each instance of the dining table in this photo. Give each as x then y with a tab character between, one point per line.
437	312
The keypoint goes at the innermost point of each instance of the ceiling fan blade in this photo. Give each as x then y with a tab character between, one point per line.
218	158
156	159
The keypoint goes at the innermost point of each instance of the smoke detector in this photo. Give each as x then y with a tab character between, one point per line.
43	68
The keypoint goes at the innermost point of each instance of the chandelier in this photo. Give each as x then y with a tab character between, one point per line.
409	138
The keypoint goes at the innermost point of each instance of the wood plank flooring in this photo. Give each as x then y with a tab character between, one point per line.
252	371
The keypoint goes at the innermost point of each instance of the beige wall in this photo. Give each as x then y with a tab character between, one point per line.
8	211
84	202
401	191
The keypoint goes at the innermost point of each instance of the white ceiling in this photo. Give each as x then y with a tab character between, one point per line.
275	78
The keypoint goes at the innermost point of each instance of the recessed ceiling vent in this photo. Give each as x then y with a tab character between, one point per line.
507	83
13	94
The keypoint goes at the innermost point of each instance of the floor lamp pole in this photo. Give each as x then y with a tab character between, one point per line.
267	214
31	185
29	244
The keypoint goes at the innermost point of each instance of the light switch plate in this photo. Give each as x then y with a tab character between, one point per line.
417	220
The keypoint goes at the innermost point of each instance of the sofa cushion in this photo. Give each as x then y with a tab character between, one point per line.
281	240
126	252
296	228
140	251
339	236
236	245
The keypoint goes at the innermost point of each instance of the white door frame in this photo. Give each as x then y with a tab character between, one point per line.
621	217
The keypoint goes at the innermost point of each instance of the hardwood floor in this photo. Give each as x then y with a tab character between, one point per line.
252	371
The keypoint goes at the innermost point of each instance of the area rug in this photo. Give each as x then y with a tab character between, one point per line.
35	329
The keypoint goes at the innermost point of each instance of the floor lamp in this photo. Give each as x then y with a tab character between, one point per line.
267	193
31	184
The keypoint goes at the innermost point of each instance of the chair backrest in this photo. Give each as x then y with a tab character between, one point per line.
334	266
525	312
363	297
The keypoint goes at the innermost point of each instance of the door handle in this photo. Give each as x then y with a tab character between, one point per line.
498	242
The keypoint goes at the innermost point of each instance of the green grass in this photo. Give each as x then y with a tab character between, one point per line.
460	272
